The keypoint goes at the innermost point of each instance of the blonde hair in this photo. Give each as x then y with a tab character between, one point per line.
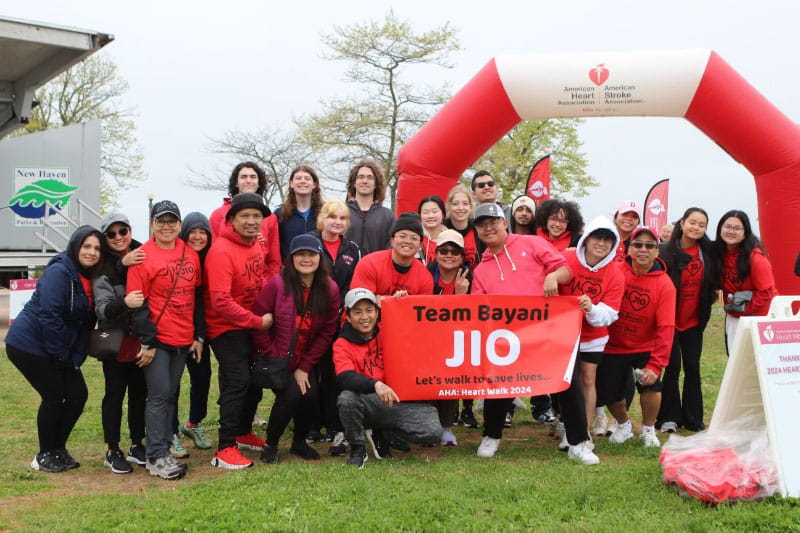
332	207
455	190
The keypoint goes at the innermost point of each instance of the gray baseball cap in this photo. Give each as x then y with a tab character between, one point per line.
111	219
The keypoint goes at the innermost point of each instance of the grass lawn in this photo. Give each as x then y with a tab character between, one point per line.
528	485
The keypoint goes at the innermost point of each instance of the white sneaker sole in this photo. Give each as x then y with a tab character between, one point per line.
249	447
219	463
115	470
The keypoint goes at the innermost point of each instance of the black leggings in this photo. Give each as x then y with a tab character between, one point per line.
63	392
290	403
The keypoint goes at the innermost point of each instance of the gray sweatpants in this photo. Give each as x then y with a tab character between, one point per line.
416	422
163	377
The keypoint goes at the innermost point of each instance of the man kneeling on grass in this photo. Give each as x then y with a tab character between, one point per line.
365	400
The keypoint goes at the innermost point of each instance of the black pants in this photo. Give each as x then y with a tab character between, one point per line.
688	410
63	392
119	378
494	415
573	408
327	414
199	384
238	400
291	404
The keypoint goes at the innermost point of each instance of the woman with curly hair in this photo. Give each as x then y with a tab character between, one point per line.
298	214
560	223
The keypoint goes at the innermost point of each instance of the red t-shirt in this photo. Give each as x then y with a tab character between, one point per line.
365	359
604	285
448	288
302	324
333	247
87	288
760	281
156	276
428	250
689	291
376	272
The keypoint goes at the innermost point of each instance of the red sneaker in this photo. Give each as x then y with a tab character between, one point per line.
230	458
250	442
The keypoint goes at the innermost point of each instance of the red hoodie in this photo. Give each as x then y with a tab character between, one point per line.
646	317
760	281
560	243
269	240
234	273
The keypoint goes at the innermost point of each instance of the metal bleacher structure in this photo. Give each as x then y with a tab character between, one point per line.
31	54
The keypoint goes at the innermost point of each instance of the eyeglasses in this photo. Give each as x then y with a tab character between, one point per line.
639	245
121	232
482	184
448	251
160	223
487	223
735	229
365	177
558	219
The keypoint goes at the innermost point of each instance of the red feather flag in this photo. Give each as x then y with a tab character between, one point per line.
538	186
656	205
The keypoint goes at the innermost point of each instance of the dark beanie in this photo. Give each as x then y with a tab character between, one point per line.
409	221
247	200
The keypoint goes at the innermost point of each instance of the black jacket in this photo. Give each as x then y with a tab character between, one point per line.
343	265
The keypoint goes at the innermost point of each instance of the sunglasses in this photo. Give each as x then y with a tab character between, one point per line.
448	251
649	245
122	232
482	184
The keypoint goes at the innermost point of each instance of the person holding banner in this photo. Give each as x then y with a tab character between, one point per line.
304	303
366	401
695	274
560	223
396	272
640	339
511	265
451	275
599	284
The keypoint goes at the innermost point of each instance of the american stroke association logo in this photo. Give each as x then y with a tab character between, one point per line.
34	188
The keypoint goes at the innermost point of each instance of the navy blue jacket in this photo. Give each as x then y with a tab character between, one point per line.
293	226
57	319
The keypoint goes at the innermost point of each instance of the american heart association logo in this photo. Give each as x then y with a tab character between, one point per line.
598	75
638	300
538	189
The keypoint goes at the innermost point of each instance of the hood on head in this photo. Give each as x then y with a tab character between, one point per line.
76	240
195	220
600	222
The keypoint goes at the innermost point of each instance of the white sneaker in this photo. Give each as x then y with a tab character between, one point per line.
600	425
621	434
448	438
478	408
669	427
258	421
583	453
564	445
612	426
650	439
488	447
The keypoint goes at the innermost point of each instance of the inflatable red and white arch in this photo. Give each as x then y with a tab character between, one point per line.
698	85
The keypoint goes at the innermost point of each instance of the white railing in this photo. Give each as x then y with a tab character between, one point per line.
83	207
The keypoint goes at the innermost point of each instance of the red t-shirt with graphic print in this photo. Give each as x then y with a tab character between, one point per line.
376	272
688	315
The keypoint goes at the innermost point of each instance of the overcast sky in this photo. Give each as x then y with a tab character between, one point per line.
197	69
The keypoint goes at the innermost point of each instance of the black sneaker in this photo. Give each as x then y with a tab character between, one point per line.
48	462
508	422
67	459
303	450
115	460
315	435
358	456
392	441
467	418
137	454
269	454
380	444
339	445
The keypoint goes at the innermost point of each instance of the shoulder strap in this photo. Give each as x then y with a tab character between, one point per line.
174	284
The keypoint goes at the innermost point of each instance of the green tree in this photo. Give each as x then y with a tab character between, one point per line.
512	157
390	107
92	89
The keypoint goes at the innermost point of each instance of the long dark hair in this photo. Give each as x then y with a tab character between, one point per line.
552	207
290	202
380	183
677	231
319	299
746	247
